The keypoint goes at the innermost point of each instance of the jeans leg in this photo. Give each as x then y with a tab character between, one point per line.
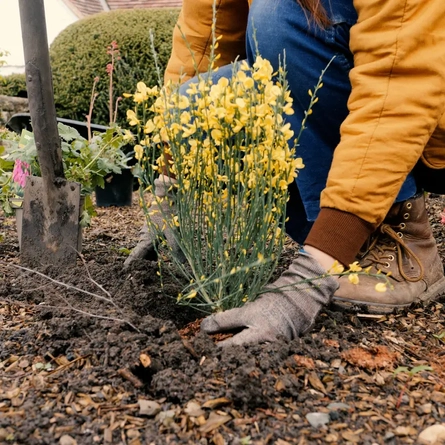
224	71
277	26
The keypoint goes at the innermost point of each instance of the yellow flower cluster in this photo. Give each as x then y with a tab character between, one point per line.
237	121
227	143
352	274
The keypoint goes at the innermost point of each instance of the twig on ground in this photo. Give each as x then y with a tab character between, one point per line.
89	314
91	278
67	365
128	375
77	289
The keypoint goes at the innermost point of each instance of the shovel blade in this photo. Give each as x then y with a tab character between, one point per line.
50	227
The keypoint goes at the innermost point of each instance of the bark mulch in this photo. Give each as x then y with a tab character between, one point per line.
143	374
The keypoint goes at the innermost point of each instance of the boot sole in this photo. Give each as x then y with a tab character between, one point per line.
432	293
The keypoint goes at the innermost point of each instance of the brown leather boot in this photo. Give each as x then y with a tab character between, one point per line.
403	248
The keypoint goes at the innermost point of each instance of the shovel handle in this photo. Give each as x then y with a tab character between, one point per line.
40	90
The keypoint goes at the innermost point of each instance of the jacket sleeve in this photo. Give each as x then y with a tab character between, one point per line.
396	102
192	35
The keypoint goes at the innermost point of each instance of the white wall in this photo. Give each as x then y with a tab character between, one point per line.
58	17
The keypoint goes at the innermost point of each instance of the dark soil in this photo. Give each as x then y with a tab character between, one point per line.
137	377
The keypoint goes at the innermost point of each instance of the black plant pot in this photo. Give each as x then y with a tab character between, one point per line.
22	121
118	190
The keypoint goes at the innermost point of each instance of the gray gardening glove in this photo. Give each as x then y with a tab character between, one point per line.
165	209
287	312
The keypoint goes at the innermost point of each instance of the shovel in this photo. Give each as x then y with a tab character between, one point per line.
51	206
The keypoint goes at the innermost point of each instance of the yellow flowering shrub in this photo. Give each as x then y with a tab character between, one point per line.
228	145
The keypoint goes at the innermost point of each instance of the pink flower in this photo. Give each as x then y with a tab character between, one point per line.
443	217
20	172
113	48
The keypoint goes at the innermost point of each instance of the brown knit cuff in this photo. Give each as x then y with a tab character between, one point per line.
339	234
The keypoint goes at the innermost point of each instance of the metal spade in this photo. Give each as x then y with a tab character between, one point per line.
51	206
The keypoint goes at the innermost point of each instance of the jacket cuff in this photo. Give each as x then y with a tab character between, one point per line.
339	234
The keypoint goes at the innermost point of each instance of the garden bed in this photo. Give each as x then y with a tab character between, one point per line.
69	378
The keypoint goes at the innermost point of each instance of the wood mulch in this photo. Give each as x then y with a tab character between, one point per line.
145	375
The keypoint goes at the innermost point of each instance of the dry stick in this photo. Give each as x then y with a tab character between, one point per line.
43	286
99	285
61	283
67	365
90	112
128	375
94	281
70	306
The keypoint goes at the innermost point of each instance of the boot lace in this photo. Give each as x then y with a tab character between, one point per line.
384	245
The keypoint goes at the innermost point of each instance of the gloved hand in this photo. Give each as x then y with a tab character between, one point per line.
287	312
158	211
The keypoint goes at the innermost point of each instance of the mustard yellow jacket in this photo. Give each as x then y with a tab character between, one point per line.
396	107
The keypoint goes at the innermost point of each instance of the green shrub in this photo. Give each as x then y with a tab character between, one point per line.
79	54
13	85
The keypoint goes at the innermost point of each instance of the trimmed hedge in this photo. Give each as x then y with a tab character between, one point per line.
79	54
13	85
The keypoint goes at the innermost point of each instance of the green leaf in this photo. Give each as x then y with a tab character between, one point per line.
400	369
66	148
420	368
68	133
6	165
25	138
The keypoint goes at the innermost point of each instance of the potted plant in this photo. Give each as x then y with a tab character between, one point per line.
85	161
116	189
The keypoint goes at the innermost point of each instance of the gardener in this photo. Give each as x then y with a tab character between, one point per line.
375	141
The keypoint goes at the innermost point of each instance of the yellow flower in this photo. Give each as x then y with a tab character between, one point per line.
353	278
132	118
189	129
354	267
248	83
138	152
282	184
139	98
299	163
287	132
185	117
262	70
149	127
381	287
141	88
128	136
336	268
183	102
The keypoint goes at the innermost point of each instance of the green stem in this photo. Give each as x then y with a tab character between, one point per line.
99	154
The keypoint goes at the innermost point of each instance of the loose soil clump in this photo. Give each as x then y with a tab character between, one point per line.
140	372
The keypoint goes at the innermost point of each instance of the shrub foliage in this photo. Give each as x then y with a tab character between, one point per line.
13	85
79	54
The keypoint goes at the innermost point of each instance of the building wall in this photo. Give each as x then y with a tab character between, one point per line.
58	17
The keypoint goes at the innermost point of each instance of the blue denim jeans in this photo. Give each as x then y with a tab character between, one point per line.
282	26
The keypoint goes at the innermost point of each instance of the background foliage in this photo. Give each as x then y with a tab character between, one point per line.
13	85
79	54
